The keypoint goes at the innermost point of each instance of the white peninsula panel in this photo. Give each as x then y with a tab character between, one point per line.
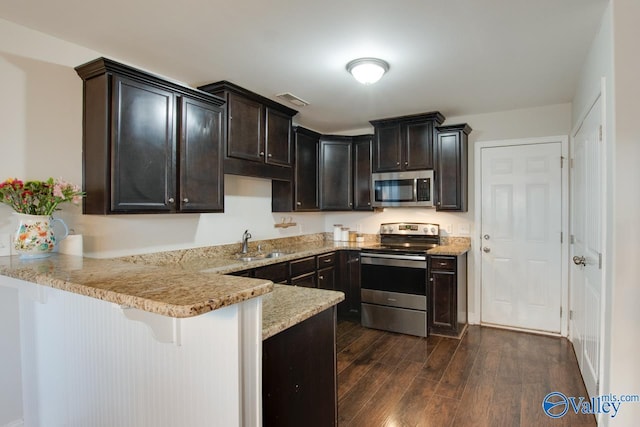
85	362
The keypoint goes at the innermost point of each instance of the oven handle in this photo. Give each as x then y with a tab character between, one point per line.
410	261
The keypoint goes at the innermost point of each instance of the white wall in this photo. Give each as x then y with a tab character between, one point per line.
10	365
613	55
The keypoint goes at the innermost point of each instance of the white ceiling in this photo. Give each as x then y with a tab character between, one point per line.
454	56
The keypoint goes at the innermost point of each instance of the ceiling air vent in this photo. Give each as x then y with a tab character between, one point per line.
289	97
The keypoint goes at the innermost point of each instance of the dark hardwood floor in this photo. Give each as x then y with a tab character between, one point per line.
491	377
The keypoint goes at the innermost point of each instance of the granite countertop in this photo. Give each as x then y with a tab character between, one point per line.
162	290
190	282
289	305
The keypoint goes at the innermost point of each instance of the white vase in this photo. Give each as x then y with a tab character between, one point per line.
35	237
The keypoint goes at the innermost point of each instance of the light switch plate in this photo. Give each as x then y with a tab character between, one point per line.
463	229
449	229
5	244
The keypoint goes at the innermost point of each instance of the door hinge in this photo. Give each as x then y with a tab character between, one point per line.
561	237
560	311
571	163
600	261
570	314
572	239
600	134
561	162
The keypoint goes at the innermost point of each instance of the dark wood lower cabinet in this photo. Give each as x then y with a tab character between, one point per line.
447	311
299	384
348	281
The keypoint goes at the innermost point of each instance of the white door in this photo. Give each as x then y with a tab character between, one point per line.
586	230
521	225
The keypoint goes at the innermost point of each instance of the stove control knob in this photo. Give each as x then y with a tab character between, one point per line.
433	230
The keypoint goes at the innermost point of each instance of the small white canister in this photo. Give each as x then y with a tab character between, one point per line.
345	234
337	232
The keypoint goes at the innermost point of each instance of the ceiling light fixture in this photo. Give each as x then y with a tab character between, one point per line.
367	70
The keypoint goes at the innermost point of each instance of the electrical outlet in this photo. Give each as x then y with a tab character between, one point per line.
5	244
449	229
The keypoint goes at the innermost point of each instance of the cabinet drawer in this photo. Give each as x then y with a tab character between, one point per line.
277	273
326	260
303	266
443	263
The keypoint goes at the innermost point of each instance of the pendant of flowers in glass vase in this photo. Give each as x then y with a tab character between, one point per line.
34	202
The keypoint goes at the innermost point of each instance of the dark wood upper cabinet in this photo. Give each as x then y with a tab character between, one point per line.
245	124
306	170
450	167
362	172
200	148
387	153
143	149
259	137
336	180
278	147
149	143
404	143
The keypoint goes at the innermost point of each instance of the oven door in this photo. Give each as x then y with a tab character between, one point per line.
402	274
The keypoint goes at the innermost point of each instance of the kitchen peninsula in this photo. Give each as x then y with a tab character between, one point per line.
111	342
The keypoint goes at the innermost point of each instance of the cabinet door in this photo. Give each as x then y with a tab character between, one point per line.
348	281
362	173
306	172
327	278
277	273
143	147
335	175
387	149
278	138
201	174
418	144
443	301
307	280
245	138
451	171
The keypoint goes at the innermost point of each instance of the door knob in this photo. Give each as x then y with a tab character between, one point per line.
486	250
580	260
486	237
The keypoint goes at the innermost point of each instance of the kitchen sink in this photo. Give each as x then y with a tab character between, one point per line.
276	254
251	257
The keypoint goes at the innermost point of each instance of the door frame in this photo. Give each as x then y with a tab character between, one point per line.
477	238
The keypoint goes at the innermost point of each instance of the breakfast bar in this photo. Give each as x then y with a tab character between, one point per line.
165	345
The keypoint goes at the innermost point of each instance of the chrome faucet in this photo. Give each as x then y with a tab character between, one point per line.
245	242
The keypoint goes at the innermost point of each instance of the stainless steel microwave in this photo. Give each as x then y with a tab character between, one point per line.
402	189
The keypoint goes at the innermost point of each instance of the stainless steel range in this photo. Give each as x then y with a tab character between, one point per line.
394	278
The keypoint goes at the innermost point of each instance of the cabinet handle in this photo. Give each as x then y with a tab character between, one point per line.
431	279
269	155
185	200
443	263
321	277
171	200
368	203
262	153
397	163
406	163
350	204
327	260
299	203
